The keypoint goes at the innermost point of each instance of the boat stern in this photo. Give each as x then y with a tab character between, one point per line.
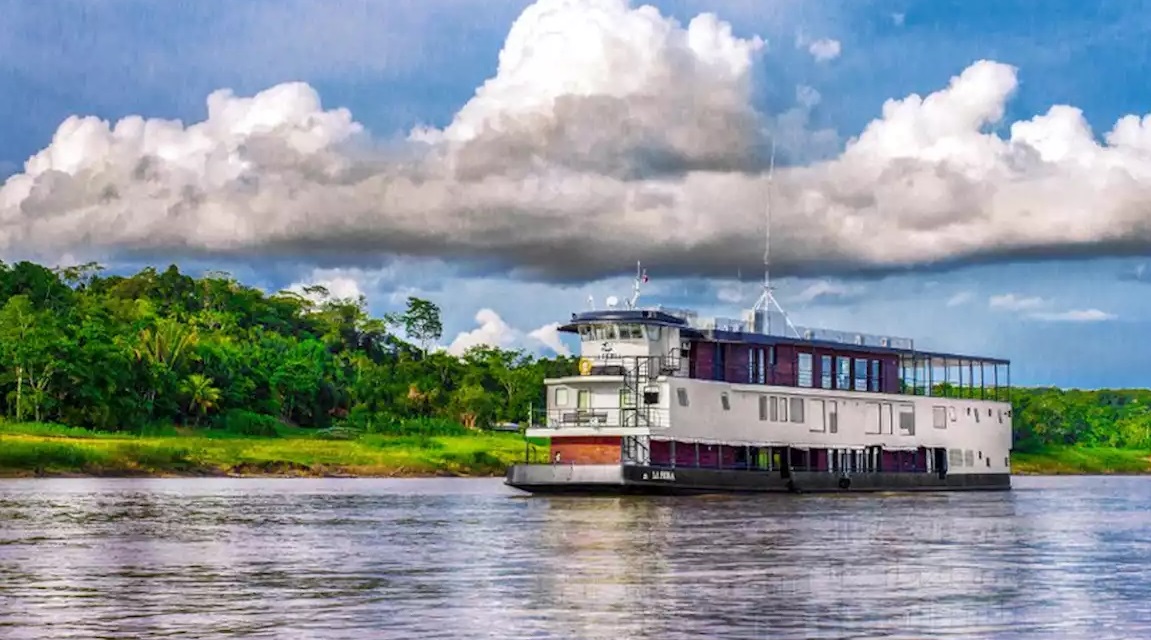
566	478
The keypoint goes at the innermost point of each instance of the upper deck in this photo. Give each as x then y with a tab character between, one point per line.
759	349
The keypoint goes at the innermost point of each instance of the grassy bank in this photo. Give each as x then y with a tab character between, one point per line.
50	450
1082	461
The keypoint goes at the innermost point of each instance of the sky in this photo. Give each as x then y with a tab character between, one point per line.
974	176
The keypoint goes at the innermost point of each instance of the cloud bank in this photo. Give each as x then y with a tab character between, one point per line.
608	133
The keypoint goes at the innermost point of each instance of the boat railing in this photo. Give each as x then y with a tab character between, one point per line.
638	417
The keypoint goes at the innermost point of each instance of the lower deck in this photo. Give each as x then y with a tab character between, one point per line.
634	464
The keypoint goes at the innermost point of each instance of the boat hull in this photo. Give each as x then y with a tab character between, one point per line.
633	479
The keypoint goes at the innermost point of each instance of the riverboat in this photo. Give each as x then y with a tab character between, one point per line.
666	401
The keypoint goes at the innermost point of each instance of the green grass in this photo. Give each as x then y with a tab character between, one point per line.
1081	461
49	449
40	449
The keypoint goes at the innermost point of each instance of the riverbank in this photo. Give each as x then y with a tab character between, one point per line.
1082	461
49	450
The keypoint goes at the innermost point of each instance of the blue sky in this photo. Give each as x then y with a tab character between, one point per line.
399	64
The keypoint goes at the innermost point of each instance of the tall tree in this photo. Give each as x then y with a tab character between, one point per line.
422	321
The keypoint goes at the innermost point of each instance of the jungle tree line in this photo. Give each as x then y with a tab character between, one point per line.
112	352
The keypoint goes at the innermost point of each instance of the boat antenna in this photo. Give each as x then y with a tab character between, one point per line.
767	299
640	278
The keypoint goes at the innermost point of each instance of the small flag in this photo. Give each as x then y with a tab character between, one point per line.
643	278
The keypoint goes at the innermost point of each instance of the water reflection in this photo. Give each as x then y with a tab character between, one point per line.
1062	558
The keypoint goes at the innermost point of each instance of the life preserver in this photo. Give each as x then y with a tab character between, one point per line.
584	366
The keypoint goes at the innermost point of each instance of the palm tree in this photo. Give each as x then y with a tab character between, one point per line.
201	394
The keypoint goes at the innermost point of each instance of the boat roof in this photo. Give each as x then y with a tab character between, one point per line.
741	332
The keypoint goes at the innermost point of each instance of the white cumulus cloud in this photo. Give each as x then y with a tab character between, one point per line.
1012	302
825	49
493	331
608	133
1074	315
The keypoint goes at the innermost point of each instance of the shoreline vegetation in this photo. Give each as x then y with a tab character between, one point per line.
43	450
160	373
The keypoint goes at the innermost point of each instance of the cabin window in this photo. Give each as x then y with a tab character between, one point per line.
861	374
774	409
825	372
968	458
585	332
751	364
818	417
625	398
653	332
771	355
873	380
805	363
761	374
763	407
630	332
907	419
951	412
782	409
843	372
939	417
725	401
561	397
797	409
833	416
584	399
681	395
977	415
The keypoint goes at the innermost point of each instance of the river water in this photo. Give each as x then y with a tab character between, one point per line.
301	558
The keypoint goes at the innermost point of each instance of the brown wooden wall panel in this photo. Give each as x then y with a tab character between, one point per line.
586	450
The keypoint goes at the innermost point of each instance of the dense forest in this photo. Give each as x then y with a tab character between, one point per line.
125	353
161	348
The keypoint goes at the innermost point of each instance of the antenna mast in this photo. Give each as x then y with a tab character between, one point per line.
767	300
639	279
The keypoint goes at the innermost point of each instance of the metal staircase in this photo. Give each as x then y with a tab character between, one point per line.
635	410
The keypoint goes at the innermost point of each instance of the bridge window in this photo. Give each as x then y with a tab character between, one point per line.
873	379
653	331
630	332
604	332
825	372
